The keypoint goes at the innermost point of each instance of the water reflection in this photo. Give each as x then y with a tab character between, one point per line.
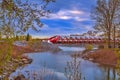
48	65
64	48
109	73
117	53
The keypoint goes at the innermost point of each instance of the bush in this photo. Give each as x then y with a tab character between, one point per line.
72	70
89	47
117	52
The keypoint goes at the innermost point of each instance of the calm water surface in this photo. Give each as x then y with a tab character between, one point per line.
49	63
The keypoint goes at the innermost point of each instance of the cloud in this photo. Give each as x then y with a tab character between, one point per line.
88	27
65	14
57	29
67	17
64	27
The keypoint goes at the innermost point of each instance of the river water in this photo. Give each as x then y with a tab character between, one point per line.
51	66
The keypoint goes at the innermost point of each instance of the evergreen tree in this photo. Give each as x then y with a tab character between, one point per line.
28	37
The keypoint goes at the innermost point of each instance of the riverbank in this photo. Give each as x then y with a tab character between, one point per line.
34	46
10	56
102	56
19	50
106	57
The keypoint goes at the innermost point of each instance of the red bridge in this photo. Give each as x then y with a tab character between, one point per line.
77	39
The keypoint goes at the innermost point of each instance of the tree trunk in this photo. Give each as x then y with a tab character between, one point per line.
109	40
114	37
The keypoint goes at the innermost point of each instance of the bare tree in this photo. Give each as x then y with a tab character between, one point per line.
72	71
106	15
17	16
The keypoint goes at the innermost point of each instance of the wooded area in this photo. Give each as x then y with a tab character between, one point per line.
107	18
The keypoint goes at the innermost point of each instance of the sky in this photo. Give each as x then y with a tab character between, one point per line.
67	17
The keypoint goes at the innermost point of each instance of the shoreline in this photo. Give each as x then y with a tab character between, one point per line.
105	57
16	59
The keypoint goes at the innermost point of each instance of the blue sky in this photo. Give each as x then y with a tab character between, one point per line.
67	17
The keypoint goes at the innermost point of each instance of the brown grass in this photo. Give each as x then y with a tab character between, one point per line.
103	56
15	50
18	50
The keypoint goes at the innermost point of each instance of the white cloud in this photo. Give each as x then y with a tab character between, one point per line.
76	12
76	15
87	27
65	17
70	12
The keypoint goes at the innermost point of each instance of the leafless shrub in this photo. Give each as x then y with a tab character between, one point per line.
72	71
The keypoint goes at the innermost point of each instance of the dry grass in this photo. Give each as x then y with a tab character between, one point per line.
7	53
43	74
18	50
103	56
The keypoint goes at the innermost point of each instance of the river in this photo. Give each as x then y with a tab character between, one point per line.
51	66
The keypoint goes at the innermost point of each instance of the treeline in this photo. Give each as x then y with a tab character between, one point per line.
27	37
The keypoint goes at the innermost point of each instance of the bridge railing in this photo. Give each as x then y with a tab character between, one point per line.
58	39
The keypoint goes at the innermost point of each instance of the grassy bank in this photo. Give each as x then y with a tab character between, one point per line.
106	57
11	58
103	56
